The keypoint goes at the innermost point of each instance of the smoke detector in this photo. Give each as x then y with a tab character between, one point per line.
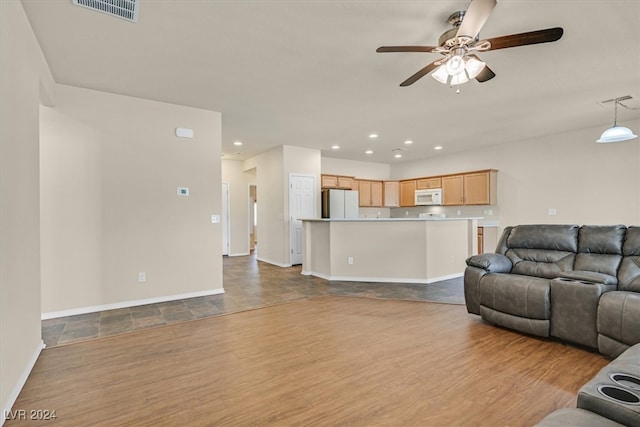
125	9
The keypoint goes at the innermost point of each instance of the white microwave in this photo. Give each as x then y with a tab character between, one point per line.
429	197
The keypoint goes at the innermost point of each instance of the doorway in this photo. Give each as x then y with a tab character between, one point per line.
253	217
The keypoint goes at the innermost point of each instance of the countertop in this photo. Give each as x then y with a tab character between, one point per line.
457	218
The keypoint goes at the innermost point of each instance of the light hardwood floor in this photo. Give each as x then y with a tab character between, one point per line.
322	361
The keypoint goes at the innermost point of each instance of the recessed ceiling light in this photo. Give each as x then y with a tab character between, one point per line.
408	142
438	147
237	143
368	152
373	135
397	155
335	147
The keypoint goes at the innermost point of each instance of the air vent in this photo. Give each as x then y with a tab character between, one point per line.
125	9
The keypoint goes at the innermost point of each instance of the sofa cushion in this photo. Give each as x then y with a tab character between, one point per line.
554	237
540	262
632	242
629	274
629	271
601	239
522	296
618	320
600	250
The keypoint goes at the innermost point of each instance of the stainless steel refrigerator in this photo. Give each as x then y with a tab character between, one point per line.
340	204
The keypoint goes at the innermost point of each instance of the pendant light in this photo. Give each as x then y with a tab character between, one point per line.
616	133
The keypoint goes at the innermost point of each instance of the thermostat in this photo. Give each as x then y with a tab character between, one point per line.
183	191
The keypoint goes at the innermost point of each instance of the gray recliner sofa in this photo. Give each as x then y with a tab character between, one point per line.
580	284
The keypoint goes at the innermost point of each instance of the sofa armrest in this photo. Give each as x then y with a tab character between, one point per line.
590	276
491	263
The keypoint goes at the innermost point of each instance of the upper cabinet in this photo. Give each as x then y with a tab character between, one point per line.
480	188
391	194
468	188
339	181
428	183
370	193
408	193
475	188
453	190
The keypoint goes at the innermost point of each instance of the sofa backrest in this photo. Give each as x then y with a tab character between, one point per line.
629	271
600	248
542	250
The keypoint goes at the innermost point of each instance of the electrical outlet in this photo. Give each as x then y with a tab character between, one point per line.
142	277
350	260
552	211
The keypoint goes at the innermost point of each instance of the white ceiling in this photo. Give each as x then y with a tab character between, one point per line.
306	73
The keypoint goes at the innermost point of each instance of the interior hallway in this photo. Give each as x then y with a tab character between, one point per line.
248	284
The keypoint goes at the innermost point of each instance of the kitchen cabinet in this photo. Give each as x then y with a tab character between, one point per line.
487	239
370	193
429	183
476	188
339	181
480	188
391	193
408	193
453	190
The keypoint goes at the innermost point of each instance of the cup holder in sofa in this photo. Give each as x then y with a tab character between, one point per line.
619	394
626	380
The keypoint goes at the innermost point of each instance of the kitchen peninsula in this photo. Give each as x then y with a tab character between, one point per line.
408	250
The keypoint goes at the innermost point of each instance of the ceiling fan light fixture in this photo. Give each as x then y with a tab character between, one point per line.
441	74
455	65
458	79
474	67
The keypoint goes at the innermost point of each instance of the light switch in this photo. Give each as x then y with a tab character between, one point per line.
215	219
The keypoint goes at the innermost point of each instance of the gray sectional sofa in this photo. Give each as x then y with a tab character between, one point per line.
580	284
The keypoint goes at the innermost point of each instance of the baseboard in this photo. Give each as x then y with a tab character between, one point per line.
240	254
381	279
6	410
268	261
126	304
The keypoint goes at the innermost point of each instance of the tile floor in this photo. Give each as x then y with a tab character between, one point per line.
248	284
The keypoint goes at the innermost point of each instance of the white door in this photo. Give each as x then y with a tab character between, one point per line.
302	204
224	220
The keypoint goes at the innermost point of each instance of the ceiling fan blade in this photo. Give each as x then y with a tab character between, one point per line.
476	15
523	39
425	70
405	49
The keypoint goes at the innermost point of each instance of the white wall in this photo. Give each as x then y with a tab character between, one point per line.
361	170
239	181
24	79
272	178
586	182
111	166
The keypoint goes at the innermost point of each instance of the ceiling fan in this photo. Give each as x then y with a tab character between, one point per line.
459	44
